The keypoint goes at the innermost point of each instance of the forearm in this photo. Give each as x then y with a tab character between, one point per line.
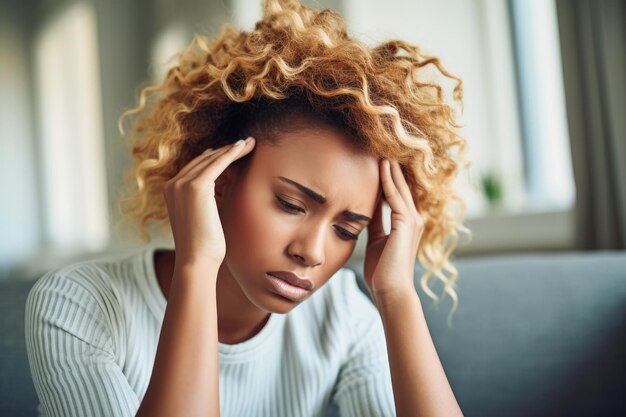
185	377
420	385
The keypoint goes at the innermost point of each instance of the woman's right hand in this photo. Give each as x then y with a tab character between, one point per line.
192	209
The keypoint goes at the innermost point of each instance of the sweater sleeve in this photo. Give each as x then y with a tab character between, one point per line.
71	349
363	387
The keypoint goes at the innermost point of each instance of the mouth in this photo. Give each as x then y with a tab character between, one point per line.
293	279
287	289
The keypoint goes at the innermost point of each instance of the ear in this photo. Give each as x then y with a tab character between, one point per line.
224	184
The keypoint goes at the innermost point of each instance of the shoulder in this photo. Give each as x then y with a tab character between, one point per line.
95	279
89	287
85	277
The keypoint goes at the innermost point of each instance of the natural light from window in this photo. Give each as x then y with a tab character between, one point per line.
549	175
165	49
71	139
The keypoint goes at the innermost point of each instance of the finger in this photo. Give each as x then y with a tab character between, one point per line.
248	146
400	181
198	160
210	159
203	163
392	194
211	171
375	227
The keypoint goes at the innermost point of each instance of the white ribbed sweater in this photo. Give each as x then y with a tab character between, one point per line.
92	330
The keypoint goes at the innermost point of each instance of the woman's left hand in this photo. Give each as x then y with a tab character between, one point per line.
390	259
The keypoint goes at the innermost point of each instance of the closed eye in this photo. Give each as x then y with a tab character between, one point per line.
293	209
289	207
345	234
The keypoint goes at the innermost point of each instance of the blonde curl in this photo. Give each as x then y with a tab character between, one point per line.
380	94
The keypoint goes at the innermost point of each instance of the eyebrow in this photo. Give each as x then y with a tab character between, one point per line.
315	196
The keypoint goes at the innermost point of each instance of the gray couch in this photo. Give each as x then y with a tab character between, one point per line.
534	335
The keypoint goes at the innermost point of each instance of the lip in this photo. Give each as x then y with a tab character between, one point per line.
293	279
286	289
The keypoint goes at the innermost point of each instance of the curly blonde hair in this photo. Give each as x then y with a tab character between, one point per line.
302	58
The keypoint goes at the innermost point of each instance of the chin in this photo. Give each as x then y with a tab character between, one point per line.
275	303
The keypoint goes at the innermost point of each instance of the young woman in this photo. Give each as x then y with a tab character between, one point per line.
251	313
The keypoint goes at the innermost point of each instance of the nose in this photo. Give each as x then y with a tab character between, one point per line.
308	246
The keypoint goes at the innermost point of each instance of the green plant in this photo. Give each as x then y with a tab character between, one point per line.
492	188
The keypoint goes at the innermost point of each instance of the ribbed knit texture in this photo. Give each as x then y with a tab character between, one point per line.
92	330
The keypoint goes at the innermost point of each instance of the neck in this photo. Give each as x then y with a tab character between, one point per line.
237	318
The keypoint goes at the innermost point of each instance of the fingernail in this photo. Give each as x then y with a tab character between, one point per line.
239	142
249	139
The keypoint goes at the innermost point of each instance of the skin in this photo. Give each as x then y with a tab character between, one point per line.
260	236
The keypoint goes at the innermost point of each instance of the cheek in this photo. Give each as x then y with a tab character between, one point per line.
252	227
258	232
340	258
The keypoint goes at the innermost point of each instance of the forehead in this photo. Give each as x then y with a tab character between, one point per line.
322	158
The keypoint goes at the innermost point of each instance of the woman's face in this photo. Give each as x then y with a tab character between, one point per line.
272	223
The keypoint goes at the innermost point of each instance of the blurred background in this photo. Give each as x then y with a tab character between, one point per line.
544	113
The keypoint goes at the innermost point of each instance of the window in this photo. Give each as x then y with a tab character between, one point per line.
507	53
473	40
548	173
71	139
165	48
